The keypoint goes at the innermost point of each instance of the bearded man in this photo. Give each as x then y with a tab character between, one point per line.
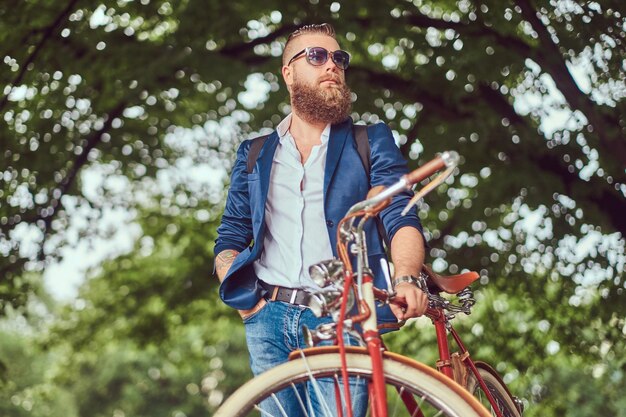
282	217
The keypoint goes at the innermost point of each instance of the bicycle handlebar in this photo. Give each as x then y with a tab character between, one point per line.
447	159
401	302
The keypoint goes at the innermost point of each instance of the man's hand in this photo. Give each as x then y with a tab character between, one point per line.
416	301
257	307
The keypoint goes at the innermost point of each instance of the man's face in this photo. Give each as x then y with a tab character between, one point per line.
318	93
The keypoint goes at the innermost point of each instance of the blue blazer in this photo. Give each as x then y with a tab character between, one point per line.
345	183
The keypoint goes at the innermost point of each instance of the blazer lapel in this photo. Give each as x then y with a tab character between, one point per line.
338	136
264	168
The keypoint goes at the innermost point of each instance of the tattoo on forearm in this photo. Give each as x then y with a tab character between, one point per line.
224	260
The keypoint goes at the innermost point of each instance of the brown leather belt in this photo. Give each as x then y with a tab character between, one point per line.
287	295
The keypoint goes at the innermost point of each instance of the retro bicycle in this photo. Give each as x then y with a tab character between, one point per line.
395	385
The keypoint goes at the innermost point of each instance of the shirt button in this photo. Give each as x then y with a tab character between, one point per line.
329	223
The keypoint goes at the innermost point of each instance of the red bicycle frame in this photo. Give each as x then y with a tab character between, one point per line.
444	365
368	294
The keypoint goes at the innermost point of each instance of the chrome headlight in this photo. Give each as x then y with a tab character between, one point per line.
328	303
317	304
327	272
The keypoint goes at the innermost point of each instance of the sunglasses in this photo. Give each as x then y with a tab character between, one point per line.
316	56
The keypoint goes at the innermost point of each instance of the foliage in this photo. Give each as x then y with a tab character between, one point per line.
150	332
146	337
24	386
140	105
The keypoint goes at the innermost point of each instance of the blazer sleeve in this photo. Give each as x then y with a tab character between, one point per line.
235	231
388	165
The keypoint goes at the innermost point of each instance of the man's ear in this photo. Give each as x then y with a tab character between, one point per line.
287	72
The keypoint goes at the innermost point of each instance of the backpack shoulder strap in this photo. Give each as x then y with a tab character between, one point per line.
363	147
255	150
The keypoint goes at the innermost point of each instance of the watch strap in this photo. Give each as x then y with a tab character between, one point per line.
418	282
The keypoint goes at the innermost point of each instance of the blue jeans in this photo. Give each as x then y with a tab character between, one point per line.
272	333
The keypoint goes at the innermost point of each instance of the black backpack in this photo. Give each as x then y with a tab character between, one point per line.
362	146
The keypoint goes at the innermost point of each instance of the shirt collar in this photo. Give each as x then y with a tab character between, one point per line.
283	129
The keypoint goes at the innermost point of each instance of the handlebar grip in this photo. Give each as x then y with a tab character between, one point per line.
425	170
399	301
446	159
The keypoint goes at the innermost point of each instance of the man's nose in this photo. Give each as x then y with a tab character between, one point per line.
330	65
332	68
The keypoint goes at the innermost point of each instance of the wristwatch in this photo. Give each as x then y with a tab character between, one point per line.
419	283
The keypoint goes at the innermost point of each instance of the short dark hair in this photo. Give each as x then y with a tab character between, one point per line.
322	29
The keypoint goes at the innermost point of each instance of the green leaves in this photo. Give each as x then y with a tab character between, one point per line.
139	106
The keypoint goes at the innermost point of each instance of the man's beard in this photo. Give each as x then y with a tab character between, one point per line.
316	104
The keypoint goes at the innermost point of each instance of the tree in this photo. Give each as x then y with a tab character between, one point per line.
536	207
145	337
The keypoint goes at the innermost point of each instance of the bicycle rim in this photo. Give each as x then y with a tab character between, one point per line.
435	394
498	390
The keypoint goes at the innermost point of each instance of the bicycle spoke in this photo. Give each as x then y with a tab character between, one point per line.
308	401
502	401
279	405
316	388
419	407
320	398
320	376
397	401
263	412
339	388
484	401
313	383
302	406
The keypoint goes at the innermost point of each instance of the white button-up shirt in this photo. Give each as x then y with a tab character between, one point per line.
296	236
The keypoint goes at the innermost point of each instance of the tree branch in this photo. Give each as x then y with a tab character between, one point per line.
500	104
31	58
605	127
55	203
408	88
239	49
405	148
596	190
468	29
473	30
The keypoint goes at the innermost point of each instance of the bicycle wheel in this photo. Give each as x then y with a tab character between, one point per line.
504	400
406	380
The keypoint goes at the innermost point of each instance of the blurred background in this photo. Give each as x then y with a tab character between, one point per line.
119	123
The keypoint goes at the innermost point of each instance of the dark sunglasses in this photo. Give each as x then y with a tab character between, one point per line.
316	56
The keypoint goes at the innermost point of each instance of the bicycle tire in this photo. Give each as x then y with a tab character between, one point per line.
498	389
432	390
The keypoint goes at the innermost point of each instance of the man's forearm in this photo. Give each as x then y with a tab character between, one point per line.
407	251
407	254
223	261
